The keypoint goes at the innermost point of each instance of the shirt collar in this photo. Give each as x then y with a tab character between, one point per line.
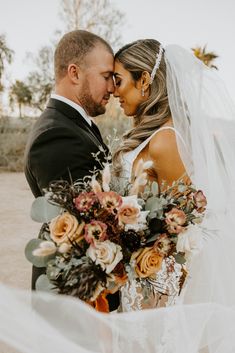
74	105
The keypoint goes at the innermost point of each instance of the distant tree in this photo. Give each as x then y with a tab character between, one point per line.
207	57
98	16
40	81
20	93
6	56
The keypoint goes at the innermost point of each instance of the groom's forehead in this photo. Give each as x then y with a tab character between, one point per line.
101	59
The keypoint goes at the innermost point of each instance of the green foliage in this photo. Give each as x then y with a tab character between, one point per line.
21	94
207	57
41	81
6	54
43	284
42	211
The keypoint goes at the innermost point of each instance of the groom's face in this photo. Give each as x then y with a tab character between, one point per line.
96	81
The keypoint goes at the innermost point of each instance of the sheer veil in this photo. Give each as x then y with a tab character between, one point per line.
204	319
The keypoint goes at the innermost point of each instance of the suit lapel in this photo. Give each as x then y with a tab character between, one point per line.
76	117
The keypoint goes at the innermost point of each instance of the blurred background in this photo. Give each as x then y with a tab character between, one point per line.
30	29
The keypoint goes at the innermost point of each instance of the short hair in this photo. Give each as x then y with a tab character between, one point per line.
73	48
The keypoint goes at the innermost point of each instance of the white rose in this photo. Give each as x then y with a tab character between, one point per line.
190	240
131	201
141	222
106	254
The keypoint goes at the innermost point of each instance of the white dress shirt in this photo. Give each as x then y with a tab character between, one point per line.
73	105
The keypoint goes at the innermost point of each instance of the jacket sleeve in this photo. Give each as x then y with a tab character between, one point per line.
59	154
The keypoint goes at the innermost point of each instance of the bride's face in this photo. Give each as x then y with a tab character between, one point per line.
127	90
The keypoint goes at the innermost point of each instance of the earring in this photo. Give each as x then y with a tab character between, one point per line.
142	92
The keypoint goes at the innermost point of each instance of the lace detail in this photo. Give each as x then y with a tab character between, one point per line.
161	291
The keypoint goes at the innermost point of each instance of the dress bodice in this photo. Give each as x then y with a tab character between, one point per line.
129	157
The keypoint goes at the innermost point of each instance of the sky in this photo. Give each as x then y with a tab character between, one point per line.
31	24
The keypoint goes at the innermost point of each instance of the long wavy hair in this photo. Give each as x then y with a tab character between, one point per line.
137	57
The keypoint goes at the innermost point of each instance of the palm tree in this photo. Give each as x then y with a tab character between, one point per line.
21	94
207	57
6	54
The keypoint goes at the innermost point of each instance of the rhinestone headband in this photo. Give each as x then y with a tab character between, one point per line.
157	63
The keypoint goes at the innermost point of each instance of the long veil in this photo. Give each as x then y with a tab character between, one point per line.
204	319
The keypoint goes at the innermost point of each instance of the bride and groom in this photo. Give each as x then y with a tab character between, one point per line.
179	112
64	138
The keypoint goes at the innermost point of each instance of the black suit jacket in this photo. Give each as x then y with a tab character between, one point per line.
60	146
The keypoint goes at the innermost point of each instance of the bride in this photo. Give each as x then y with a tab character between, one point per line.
183	122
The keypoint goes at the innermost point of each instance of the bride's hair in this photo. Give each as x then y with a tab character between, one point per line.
137	57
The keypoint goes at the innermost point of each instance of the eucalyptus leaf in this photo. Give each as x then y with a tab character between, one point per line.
179	258
154	188
42	211
43	284
38	261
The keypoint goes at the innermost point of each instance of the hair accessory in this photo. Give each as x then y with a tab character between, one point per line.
157	64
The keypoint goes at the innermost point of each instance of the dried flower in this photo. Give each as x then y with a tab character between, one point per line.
95	185
95	231
85	201
106	178
200	201
163	245
45	248
111	201
175	219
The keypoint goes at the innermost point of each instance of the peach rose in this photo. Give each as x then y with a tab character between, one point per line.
65	228
148	262
129	212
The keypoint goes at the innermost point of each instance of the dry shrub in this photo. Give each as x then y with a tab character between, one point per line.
13	138
14	134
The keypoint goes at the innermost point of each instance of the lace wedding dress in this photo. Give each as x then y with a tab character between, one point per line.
163	288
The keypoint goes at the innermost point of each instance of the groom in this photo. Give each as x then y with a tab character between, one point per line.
64	138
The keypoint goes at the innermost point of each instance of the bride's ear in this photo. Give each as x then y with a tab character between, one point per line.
145	81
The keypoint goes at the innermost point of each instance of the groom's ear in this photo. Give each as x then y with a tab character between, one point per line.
74	73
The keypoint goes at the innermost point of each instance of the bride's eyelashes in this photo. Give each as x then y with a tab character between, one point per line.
117	82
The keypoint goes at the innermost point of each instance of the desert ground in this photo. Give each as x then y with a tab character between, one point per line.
16	229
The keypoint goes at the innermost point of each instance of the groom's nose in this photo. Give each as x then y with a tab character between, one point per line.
115	92
110	85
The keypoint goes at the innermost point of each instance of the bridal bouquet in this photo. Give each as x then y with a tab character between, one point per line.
93	237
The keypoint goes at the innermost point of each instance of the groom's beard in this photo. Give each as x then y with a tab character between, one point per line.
89	105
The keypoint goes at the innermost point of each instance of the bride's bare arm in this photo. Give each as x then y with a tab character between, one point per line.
167	163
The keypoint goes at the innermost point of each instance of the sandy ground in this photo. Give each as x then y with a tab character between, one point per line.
16	229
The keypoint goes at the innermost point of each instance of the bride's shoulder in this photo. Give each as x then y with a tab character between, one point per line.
162	142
